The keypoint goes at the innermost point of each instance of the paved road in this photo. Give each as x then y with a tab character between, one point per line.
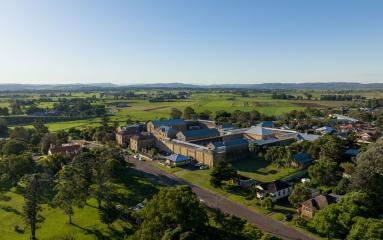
211	199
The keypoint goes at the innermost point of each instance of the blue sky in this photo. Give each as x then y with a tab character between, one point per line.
190	41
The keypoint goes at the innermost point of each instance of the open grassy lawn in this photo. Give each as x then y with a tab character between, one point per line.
261	170
132	189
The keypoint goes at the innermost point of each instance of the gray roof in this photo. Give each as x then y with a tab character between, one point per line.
307	137
258	130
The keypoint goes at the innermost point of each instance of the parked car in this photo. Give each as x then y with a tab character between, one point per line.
203	166
198	164
136	156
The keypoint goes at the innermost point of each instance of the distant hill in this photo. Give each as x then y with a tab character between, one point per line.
267	86
287	86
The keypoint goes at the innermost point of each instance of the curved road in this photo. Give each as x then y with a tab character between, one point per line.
214	200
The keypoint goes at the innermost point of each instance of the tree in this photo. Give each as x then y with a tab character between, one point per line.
333	148
324	172
40	127
68	191
14	146
34	196
52	164
267	202
171	209
335	220
3	127
152	152
175	113
366	229
277	155
368	173
189	113
300	194
20	133
108	213
13	167
222	172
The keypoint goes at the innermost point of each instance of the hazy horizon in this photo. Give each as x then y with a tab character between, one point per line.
196	42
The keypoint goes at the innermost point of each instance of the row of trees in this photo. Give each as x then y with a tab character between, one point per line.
64	182
176	213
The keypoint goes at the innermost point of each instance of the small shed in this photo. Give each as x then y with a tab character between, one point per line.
301	160
176	160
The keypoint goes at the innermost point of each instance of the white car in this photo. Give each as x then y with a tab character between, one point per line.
202	167
136	156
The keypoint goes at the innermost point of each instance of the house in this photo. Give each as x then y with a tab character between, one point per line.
65	149
276	190
123	134
197	134
176	160
344	119
259	133
177	124
325	130
310	207
368	136
141	142
301	160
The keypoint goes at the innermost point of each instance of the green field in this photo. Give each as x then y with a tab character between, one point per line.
213	101
133	189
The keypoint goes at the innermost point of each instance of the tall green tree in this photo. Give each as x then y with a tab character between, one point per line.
300	194
189	113
175	113
68	191
171	209
366	229
335	220
34	195
367	176
223	171
324	172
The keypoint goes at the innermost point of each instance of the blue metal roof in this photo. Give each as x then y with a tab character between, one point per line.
302	158
170	122
266	124
352	151
206	132
177	158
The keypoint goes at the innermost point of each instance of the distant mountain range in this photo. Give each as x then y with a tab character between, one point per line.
268	86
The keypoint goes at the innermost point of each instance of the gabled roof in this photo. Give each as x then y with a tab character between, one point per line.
177	158
319	202
302	158
275	186
258	130
171	122
201	133
168	130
